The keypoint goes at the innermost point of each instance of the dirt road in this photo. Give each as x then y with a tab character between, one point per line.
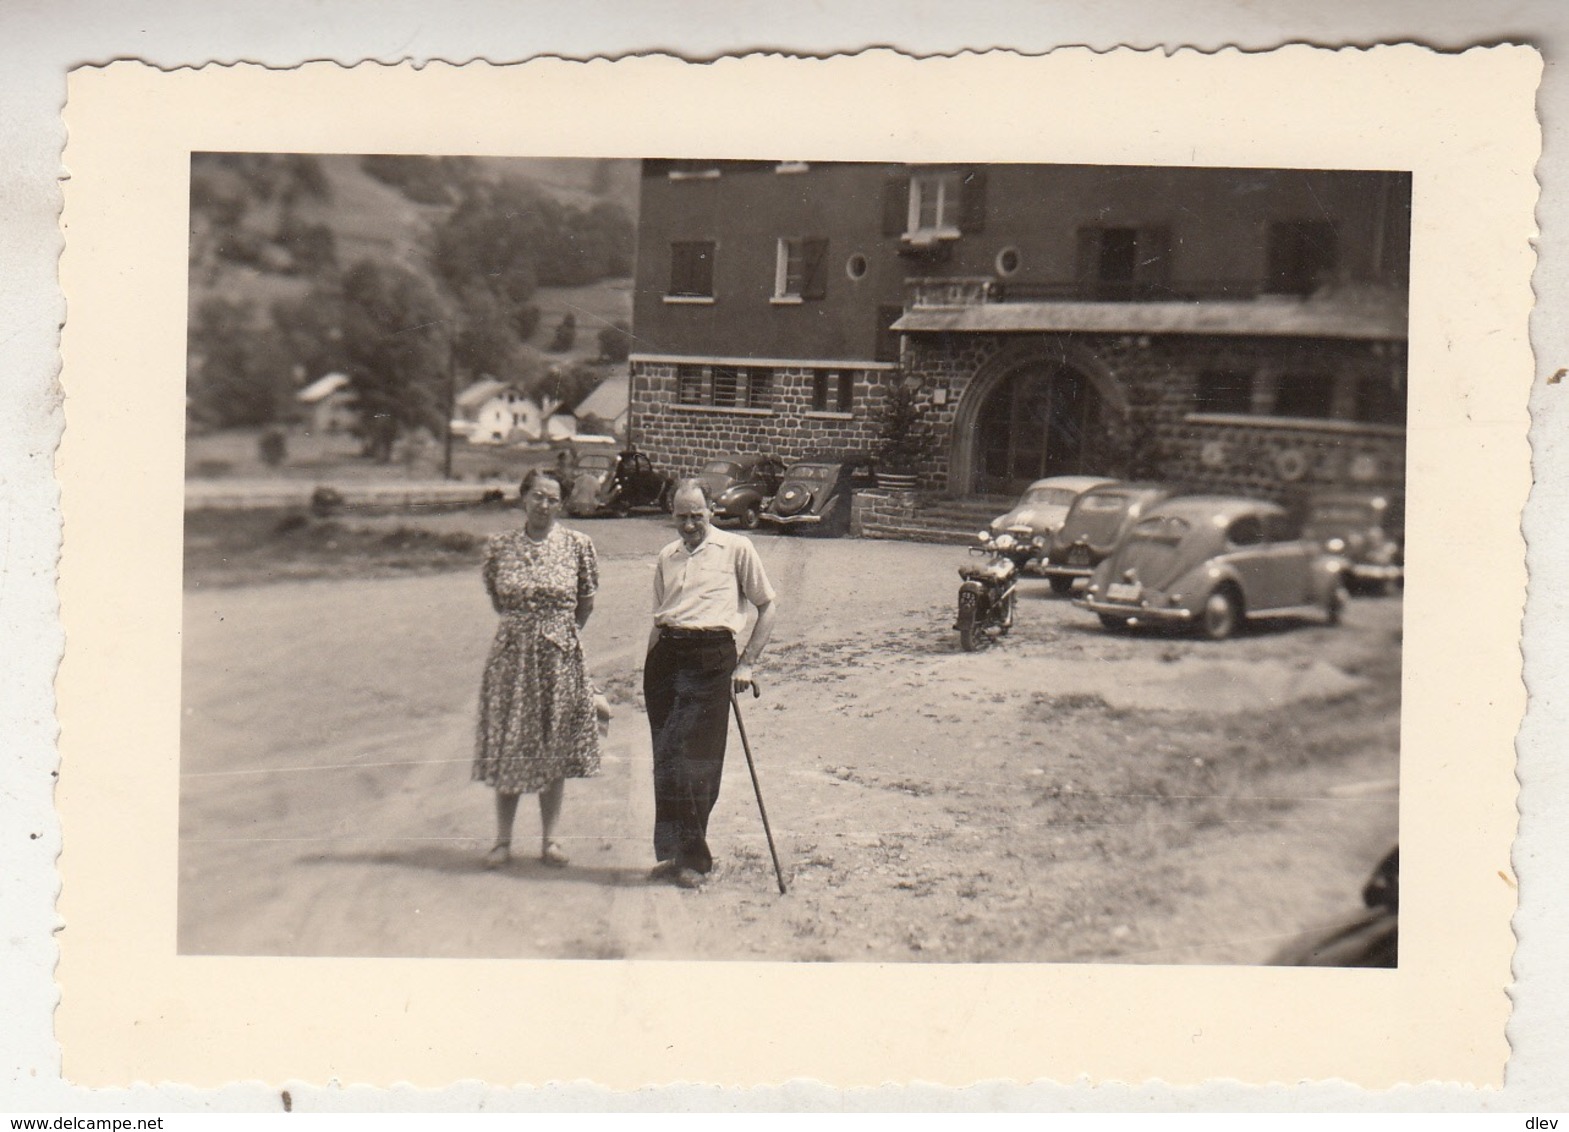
1070	795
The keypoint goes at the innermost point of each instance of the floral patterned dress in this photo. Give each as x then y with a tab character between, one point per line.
536	708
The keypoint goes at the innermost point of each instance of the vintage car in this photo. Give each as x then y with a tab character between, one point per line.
605	484
1367	529
1039	514
740	485
1094	525
1212	562
815	492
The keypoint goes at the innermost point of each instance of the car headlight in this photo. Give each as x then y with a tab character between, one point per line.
984	536
1335	545
1005	541
1039	542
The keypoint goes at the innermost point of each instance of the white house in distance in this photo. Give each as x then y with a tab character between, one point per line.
330	404
497	412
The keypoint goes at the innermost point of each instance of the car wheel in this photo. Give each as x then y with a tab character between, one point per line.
1337	604
970	635
1112	623
751	517
1061	586
1221	613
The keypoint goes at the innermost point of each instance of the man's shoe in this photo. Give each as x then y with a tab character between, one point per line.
691	878
665	870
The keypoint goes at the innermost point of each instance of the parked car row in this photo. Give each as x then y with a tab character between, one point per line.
1150	555
751	489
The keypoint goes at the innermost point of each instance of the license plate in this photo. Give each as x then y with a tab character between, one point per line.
1123	591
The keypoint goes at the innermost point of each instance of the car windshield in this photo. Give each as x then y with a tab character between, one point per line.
594	463
812	471
1101	502
1160	528
1051	496
721	468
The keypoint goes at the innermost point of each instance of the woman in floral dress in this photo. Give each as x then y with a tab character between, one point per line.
537	721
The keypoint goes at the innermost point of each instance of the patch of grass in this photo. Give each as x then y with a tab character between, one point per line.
226	548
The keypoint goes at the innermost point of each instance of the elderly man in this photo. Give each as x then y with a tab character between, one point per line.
703	582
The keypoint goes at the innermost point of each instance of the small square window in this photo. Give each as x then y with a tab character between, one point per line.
833	391
689	385
801	268
1223	391
692	269
1309	395
934	204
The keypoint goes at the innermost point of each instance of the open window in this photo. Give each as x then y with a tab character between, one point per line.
801	269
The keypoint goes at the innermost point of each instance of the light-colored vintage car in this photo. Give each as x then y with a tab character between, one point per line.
1039	514
1214	562
1367	529
1095	524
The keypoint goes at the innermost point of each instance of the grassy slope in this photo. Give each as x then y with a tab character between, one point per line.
370	219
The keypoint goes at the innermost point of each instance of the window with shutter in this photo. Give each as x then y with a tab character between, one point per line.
1117	264
801	269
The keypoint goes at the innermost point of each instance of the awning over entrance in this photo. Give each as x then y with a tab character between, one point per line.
1271	317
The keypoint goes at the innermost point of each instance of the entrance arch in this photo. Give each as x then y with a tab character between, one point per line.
1031	412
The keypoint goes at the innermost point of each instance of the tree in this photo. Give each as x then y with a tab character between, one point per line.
244	376
903	443
397	347
565	335
615	342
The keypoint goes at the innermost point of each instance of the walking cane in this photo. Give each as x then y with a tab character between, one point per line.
756	789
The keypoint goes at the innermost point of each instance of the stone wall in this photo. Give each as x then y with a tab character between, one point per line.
682	438
1162	437
1250	454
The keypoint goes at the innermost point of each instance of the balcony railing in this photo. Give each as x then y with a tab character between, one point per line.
964	291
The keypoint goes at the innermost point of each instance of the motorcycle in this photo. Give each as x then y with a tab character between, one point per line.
987	592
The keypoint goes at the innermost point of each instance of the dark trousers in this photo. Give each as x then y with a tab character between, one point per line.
686	687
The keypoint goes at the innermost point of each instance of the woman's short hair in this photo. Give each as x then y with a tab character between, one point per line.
534	475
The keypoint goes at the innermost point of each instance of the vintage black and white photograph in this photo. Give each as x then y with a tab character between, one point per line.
792	560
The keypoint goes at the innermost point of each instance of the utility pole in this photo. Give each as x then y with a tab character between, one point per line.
452	406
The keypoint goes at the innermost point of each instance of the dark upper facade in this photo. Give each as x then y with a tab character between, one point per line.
787	294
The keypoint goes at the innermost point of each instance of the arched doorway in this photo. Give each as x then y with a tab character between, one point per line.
1039	419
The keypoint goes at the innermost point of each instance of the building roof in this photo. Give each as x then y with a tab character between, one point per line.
1271	317
608	401
478	393
322	388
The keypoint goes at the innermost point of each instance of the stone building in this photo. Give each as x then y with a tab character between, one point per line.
1224	329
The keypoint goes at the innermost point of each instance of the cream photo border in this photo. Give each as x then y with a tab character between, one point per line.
133	1010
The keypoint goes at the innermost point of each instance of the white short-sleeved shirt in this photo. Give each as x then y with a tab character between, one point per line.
709	588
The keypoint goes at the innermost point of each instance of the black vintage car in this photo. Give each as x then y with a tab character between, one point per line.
606	485
1368	530
815	492
741	485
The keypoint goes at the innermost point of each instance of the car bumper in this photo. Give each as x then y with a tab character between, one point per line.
1370	572
1059	570
1169	613
791	520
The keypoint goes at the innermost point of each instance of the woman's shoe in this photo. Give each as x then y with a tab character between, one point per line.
553	856
499	855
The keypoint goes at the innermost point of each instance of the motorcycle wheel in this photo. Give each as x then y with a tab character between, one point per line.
1005	619
970	635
